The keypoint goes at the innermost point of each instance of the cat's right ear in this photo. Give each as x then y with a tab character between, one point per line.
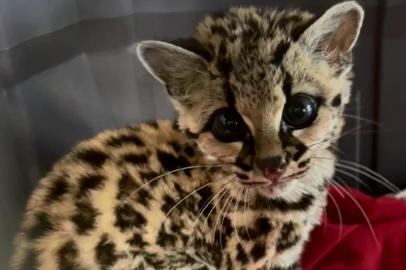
335	33
175	67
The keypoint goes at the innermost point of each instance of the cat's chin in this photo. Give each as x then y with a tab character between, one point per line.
274	190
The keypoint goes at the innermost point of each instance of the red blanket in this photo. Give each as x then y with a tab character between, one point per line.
356	244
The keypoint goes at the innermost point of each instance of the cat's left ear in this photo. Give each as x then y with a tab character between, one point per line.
335	33
177	68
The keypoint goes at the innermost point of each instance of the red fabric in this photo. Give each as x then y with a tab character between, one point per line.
356	247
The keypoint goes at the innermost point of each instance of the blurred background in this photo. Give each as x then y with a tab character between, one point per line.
66	74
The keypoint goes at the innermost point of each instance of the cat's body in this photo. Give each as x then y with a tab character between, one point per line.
88	214
233	186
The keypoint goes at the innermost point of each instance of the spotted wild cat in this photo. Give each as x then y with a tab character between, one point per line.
240	179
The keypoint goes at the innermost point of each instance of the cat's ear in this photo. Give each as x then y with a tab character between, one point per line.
335	32
175	67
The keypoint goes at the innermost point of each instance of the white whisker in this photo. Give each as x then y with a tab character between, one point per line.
211	200
340	218
219	217
345	133
237	202
245	213
360	118
347	164
337	187
222	220
220	193
363	213
187	196
352	177
214	206
173	171
372	174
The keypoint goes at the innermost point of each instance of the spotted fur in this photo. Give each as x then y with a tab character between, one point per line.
170	196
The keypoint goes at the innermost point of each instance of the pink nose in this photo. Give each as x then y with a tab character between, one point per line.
272	167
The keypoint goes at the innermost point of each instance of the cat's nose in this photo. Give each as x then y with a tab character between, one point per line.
272	167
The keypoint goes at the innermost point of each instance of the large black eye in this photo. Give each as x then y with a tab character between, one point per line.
227	126
300	111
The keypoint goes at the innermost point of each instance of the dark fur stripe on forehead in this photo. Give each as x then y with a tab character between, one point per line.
223	62
287	84
228	93
280	52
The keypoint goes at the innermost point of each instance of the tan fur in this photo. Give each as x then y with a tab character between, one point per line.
136	197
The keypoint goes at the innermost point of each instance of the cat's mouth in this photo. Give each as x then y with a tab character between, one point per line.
259	181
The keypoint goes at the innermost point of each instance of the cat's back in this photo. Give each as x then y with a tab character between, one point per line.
87	210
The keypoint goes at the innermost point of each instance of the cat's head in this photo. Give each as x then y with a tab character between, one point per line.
262	89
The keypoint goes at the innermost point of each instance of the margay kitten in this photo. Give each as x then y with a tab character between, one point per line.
259	95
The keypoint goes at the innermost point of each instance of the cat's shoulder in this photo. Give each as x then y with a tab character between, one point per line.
142	147
92	182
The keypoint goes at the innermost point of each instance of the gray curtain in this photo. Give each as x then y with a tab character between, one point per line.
66	74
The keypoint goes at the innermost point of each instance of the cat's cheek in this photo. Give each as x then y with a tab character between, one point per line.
215	150
319	130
